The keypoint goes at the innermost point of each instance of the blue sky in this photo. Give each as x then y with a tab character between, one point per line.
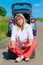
37	6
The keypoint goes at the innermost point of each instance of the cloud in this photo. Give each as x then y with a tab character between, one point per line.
36	10
37	4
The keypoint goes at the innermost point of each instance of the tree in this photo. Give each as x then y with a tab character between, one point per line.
2	11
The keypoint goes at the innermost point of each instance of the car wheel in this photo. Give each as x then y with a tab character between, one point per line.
9	34
34	33
33	55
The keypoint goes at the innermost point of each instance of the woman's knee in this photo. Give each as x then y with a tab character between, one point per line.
34	43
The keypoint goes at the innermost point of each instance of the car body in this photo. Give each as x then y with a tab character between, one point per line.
26	10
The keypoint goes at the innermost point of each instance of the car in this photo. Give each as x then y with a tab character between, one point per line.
34	25
26	10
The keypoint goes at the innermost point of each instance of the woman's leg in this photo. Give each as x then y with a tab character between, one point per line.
15	50
28	51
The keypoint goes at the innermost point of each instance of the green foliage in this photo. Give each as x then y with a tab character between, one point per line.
3	27
2	11
39	19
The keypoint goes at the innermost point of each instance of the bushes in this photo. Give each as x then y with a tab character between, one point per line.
40	19
3	27
2	11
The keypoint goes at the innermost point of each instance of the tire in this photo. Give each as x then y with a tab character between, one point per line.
33	55
9	34
11	55
34	33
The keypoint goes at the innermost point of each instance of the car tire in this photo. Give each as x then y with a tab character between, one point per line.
9	34
34	33
33	55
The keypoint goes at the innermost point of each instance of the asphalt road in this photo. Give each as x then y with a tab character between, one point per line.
38	60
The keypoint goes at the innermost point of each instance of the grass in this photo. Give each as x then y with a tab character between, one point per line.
39	19
3	27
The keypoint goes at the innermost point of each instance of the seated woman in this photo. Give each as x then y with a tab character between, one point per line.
22	42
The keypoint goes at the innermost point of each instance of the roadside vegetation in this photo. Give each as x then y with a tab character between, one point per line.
2	11
3	27
3	23
39	19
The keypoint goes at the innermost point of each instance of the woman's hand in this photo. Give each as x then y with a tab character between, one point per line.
22	44
30	44
12	44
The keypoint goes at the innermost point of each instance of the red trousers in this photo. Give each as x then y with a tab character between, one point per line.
25	51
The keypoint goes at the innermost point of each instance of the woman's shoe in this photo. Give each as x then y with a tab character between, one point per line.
20	58
27	59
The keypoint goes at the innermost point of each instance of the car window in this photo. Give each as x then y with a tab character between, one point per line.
21	7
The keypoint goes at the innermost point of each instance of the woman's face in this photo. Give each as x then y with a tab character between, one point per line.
19	22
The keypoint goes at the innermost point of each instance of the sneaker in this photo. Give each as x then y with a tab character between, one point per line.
27	59
19	59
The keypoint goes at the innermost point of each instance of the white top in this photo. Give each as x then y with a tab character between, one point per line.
24	35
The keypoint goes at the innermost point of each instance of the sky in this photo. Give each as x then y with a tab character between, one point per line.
37	6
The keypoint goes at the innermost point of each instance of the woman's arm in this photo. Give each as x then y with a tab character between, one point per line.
12	43
30	35
13	36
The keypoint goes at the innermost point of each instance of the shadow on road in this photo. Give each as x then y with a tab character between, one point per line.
9	55
5	55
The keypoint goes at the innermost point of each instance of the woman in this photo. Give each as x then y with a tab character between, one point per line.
22	41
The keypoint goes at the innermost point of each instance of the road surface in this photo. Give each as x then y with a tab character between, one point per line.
38	60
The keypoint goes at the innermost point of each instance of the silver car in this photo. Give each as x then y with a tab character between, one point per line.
26	10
